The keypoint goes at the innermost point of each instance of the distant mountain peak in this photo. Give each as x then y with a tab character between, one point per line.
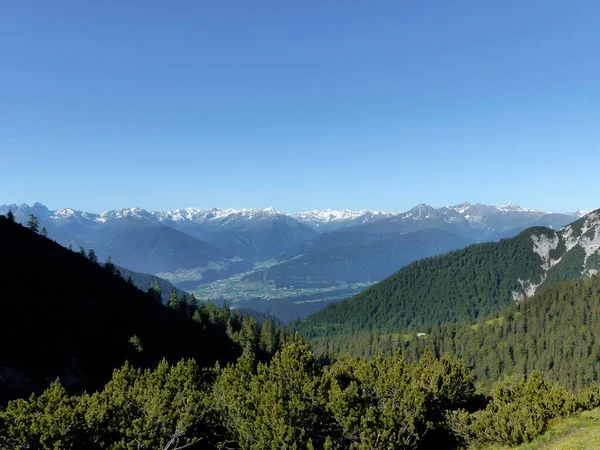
330	219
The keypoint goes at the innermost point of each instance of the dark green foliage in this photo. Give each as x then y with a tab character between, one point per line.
276	406
296	401
52	420
92	256
167	407
148	409
108	265
10	216
174	301
144	280
44	232
33	224
516	413
553	332
593	261
81	330
464	284
377	403
571	266
155	292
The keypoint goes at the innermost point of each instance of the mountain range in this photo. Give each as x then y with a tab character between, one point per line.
269	251
466	284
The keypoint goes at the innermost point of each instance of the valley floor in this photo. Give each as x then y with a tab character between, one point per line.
578	432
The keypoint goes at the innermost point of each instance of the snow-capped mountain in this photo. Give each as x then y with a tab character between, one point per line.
213	214
331	219
509	220
261	234
250	234
479	221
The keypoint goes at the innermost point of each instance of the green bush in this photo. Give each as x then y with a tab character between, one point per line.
517	413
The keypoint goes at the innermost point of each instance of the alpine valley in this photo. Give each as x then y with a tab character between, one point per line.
488	345
288	264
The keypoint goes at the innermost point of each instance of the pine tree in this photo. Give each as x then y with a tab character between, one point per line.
129	280
108	265
82	251
155	292
10	216
173	300
92	256
191	304
44	232
33	224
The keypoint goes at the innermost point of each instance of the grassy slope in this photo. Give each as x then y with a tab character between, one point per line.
578	432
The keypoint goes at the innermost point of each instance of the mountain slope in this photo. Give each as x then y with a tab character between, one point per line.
143	281
361	262
467	283
61	315
147	247
493	223
553	332
474	223
249	234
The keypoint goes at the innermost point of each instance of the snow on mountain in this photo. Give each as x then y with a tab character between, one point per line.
66	214
329	219
131	213
490	219
36	208
511	207
214	214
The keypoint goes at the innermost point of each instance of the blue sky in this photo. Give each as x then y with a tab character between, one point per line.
300	105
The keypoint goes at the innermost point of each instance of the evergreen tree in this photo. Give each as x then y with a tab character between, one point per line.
174	301
92	256
44	232
108	265
155	292
10	216
82	251
129	279
33	224
192	304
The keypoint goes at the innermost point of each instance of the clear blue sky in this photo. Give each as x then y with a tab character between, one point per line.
300	104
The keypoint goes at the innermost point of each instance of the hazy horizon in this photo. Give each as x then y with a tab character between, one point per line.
284	211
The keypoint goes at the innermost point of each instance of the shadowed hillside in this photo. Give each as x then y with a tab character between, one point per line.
78	320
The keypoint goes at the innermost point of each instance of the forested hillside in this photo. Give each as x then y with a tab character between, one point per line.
465	284
553	332
63	314
229	381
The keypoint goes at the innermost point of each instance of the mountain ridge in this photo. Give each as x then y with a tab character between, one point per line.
467	283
